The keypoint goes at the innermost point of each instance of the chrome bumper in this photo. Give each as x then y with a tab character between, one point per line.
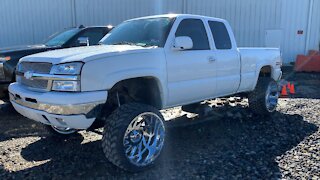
58	103
54	108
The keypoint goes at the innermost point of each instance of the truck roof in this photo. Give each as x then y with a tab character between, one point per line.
178	15
108	26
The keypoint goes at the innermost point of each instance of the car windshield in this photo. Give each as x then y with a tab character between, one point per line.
61	38
142	32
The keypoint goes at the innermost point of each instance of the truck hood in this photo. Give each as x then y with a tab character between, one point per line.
84	54
21	48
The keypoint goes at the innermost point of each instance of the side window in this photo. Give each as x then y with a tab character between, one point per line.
220	35
195	29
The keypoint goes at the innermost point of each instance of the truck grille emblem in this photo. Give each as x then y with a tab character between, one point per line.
28	74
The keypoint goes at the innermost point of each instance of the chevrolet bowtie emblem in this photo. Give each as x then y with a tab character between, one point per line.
28	74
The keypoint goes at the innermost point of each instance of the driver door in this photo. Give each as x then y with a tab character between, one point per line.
191	73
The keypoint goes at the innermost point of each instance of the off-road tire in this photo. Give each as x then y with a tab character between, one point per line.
257	100
114	130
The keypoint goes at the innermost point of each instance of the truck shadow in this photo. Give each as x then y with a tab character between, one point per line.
222	146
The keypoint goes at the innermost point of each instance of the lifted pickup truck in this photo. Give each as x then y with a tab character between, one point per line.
142	66
71	37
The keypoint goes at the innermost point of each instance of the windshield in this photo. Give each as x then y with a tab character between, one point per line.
142	32
61	38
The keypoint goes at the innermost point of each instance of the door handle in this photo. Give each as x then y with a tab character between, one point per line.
211	59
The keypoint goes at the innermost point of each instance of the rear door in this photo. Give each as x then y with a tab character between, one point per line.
191	74
226	57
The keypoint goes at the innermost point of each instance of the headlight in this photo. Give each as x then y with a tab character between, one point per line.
67	69
66	86
7	58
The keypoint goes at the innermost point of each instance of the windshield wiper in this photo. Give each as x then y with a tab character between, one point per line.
125	43
134	44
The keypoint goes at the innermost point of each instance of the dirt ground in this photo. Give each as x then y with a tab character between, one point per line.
223	141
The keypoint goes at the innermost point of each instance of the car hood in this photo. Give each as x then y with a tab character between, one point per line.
84	54
21	48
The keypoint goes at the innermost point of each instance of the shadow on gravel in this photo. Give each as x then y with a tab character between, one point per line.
228	147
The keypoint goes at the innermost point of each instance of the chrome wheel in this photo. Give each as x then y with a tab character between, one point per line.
64	131
144	139
272	96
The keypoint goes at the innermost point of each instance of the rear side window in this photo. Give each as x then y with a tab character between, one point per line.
195	29
220	35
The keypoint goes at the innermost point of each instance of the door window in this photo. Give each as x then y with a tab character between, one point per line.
220	35
194	29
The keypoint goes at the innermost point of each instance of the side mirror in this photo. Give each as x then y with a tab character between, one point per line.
182	43
83	41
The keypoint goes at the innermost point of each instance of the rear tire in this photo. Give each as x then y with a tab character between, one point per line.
134	136
264	99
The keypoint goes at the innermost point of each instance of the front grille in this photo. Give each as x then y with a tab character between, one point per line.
41	68
38	84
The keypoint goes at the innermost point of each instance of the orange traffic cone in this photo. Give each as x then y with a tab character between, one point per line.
289	85
292	89
284	92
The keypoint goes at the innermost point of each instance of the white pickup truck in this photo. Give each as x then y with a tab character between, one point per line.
140	67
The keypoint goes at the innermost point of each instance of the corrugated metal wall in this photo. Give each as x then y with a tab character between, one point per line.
31	21
315	26
294	18
248	18
101	12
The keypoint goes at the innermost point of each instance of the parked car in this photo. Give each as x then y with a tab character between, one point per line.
71	37
144	65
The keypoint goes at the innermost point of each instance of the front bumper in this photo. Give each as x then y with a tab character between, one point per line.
61	109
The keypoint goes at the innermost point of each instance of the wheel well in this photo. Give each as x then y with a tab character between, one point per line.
143	89
265	71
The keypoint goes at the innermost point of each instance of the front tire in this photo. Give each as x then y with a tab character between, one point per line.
134	136
264	99
59	132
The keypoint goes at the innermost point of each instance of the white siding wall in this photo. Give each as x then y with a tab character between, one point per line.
101	12
31	21
248	18
294	17
315	26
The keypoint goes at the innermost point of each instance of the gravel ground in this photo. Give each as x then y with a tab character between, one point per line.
223	141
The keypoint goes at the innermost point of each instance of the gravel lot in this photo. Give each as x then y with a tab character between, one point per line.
225	141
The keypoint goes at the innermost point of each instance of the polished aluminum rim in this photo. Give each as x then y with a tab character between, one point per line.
62	130
144	138
272	96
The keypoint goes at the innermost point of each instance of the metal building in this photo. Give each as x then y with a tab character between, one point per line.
293	25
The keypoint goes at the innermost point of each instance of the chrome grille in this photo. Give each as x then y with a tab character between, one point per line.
42	68
39	84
